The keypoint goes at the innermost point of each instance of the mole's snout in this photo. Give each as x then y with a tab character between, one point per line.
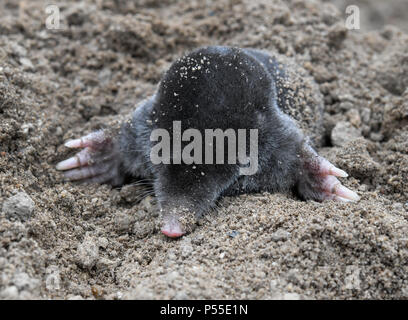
172	228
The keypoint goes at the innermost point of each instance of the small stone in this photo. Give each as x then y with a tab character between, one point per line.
181	295
280	235
143	228
88	253
355	159
376	136
291	296
103	242
260	274
186	250
363	188
365	130
337	34
27	128
346	105
9	293
147	204
365	115
26	63
19	206
124	222
344	133
354	117
19	50
233	234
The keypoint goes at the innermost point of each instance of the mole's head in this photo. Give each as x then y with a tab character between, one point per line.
185	192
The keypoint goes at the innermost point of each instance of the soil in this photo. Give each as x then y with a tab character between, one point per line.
66	241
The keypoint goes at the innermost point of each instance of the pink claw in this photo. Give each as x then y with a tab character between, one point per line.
340	199
86	172
327	168
94	139
333	188
80	159
345	193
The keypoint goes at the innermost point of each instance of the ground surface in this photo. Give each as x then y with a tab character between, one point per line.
61	240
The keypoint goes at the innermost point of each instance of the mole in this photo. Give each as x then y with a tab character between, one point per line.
230	93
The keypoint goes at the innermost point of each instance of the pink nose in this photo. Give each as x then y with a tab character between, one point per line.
172	234
172	229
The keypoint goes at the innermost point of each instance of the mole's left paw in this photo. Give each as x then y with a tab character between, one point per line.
317	179
97	162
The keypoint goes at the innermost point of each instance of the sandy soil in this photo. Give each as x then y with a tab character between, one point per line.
61	240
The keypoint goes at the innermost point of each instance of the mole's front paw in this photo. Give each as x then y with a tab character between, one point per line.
98	162
317	179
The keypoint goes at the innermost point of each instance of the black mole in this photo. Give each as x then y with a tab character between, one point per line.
217	88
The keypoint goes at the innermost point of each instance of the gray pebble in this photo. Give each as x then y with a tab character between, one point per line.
19	206
366	115
88	253
376	136
9	293
280	235
124	222
343	133
186	250
346	105
233	234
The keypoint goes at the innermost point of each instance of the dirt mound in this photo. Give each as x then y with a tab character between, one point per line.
79	241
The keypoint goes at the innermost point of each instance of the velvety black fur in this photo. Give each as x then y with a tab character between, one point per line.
219	87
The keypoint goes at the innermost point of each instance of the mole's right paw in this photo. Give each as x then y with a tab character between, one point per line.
98	162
